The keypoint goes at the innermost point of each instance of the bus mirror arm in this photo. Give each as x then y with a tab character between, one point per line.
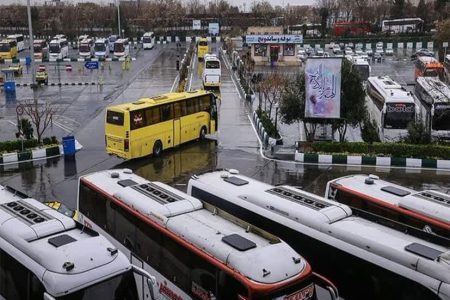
149	279
48	296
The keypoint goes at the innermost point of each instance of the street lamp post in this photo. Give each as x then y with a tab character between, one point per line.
30	31
118	16
276	117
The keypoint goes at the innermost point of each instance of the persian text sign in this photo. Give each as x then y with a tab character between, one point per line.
274	39
323	88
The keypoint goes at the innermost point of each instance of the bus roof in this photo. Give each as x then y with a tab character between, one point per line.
428	60
59	251
156	100
324	219
430	203
438	91
100	41
391	91
207	229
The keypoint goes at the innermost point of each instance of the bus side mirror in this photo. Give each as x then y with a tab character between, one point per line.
48	296
149	279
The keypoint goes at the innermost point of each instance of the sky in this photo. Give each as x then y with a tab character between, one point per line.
233	2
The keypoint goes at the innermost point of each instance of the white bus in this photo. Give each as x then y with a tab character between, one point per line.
436	96
80	38
361	64
426	210
365	259
211	72
58	49
393	107
19	40
195	250
406	25
86	48
101	48
47	255
121	48
148	40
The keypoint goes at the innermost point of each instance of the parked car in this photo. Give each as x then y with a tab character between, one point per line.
350	45
379	45
336	49
377	57
369	52
301	54
319	52
379	50
348	51
358	51
331	45
309	50
422	52
389	51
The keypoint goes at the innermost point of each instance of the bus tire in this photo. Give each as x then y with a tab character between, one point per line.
202	135
157	148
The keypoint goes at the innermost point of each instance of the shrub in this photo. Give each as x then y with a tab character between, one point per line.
418	134
267	124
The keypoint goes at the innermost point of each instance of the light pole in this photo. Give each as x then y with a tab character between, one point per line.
30	31
118	17
276	117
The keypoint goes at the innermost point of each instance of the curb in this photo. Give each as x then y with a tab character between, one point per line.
30	155
57	84
371	160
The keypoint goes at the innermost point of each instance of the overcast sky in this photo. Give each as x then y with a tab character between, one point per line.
233	2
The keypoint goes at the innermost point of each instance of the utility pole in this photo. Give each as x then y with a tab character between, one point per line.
30	30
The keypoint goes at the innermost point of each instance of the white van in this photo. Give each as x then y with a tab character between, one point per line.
59	49
148	40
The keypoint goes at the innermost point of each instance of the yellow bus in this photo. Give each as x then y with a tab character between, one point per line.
149	125
8	49
202	48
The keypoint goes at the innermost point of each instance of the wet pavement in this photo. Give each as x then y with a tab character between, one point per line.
236	145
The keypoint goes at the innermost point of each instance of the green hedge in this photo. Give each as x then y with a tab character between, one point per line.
387	149
267	124
16	145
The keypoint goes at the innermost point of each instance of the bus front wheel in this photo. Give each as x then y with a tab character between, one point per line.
157	148
202	136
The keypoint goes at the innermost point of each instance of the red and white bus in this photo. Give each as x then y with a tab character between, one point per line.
196	250
426	210
351	28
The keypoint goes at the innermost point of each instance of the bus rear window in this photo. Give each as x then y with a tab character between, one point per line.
203	43
212	65
113	117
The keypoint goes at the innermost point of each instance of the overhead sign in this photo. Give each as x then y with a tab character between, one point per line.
196	24
323	88
213	28
274	39
91	65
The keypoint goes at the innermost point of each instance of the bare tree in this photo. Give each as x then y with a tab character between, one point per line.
40	114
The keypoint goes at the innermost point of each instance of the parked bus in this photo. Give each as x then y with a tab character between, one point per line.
406	25
79	39
396	105
149	125
148	40
365	259
121	48
436	98
40	49
211	72
112	39
307	29
86	48
428	67
18	38
101	48
361	65
202	48
8	49
47	255
59	49
447	68
195	250
351	28
428	210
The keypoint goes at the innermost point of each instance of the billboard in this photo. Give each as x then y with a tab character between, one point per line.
274	39
196	25
214	28
323	88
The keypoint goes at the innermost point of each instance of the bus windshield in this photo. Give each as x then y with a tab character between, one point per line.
118	47
364	71
37	48
432	72
121	287
203	43
5	47
212	65
399	115
100	47
303	290
54	48
146	39
85	48
441	117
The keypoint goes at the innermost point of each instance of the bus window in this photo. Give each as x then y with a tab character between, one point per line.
166	112
192	106
152	115
179	109
205	103
115	118
212	64
137	118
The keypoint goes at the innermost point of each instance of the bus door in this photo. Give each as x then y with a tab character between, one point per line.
177	123
138	278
